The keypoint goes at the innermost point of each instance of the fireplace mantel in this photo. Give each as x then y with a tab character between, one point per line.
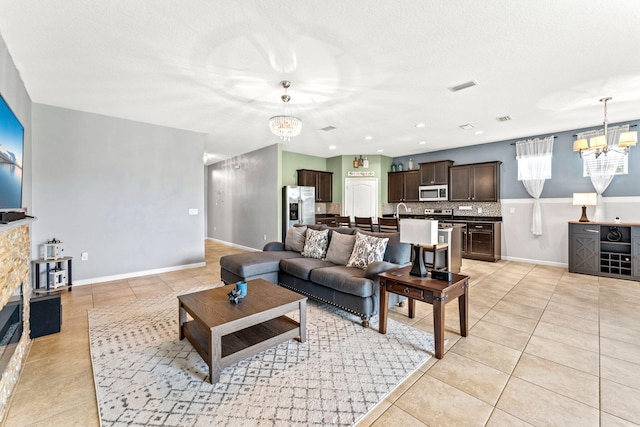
15	260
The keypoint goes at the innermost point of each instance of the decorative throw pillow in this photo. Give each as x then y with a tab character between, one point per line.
366	250
315	246
340	248
295	238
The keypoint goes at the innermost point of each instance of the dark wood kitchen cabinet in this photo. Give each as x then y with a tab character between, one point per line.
322	181
403	186
484	241
477	182
435	173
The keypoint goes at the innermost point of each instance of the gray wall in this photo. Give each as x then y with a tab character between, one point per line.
13	91
117	189
566	167
242	198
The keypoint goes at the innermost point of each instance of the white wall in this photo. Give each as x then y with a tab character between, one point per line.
242	198
119	190
552	247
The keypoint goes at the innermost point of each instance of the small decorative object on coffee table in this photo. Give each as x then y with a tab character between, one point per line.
224	333
235	296
429	290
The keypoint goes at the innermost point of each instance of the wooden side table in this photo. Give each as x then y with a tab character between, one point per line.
432	291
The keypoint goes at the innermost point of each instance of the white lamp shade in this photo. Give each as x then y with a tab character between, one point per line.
584	199
419	231
628	139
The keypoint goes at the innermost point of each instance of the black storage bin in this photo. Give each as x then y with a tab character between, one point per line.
46	315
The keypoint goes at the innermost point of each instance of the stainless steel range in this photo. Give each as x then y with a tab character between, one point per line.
439	214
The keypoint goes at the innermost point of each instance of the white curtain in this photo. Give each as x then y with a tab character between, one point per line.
534	167
603	168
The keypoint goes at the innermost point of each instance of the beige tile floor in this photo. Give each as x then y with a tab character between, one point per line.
545	348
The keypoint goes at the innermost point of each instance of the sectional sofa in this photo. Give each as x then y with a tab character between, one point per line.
338	266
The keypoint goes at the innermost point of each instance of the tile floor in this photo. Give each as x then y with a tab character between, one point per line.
545	348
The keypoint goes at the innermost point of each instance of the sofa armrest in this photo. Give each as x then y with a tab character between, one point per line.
273	246
378	267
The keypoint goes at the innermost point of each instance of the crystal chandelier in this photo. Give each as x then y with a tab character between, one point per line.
285	126
599	144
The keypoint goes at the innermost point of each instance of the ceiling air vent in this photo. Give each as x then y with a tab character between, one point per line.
328	128
465	85
503	118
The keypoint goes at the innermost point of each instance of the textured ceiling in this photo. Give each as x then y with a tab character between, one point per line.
368	68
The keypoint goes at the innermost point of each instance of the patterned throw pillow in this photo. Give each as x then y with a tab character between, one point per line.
295	238
315	246
366	250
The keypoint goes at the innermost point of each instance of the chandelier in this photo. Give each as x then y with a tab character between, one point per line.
599	144
285	126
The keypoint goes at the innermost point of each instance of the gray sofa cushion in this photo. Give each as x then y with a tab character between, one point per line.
295	238
302	267
340	248
255	263
344	279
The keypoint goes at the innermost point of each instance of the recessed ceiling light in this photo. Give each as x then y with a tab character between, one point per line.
479	132
380	150
332	147
422	142
420	125
465	85
368	138
467	126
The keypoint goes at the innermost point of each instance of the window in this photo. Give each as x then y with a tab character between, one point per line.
611	163
534	166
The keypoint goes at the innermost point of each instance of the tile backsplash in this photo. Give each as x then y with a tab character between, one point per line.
488	209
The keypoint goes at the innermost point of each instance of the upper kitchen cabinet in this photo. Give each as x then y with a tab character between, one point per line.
477	182
435	173
322	181
403	186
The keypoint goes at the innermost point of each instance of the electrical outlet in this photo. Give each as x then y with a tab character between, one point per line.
193	211
265	237
512	210
84	256
409	210
479	210
464	208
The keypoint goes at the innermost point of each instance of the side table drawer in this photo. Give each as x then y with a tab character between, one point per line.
400	289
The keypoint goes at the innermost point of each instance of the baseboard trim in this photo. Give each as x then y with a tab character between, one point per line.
246	248
136	274
536	261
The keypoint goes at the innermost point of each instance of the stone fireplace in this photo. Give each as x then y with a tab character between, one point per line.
15	258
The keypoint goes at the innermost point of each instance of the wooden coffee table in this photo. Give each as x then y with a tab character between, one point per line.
224	333
432	291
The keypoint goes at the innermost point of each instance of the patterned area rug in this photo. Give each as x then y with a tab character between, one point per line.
145	375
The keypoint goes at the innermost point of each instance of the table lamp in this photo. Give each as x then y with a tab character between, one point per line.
584	199
418	232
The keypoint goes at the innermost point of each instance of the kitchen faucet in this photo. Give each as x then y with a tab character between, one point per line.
397	214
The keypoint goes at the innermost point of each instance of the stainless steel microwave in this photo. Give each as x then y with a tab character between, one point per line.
433	193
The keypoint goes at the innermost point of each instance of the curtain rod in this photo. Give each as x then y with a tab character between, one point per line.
554	137
575	134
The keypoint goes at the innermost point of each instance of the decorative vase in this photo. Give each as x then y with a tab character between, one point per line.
393	167
400	167
410	164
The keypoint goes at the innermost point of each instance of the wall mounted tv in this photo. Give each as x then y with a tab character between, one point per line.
11	152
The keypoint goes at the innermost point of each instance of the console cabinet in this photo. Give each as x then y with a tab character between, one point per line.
605	249
403	186
321	180
435	173
477	182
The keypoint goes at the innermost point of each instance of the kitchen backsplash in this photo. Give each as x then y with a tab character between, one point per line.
489	209
328	208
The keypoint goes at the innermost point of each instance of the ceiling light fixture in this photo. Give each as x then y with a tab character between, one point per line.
467	126
332	147
368	138
422	142
599	144
285	126
420	125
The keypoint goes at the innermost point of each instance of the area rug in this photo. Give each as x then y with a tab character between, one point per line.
144	375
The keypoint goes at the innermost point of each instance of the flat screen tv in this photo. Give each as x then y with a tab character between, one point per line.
11	152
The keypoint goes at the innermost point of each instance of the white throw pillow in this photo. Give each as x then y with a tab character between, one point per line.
366	250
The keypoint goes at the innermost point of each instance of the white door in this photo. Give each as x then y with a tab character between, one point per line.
361	197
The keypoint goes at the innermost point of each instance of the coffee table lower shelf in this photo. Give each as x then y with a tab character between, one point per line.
246	342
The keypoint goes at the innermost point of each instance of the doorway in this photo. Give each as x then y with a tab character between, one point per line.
361	197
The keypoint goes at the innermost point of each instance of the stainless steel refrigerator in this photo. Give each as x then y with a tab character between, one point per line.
298	206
